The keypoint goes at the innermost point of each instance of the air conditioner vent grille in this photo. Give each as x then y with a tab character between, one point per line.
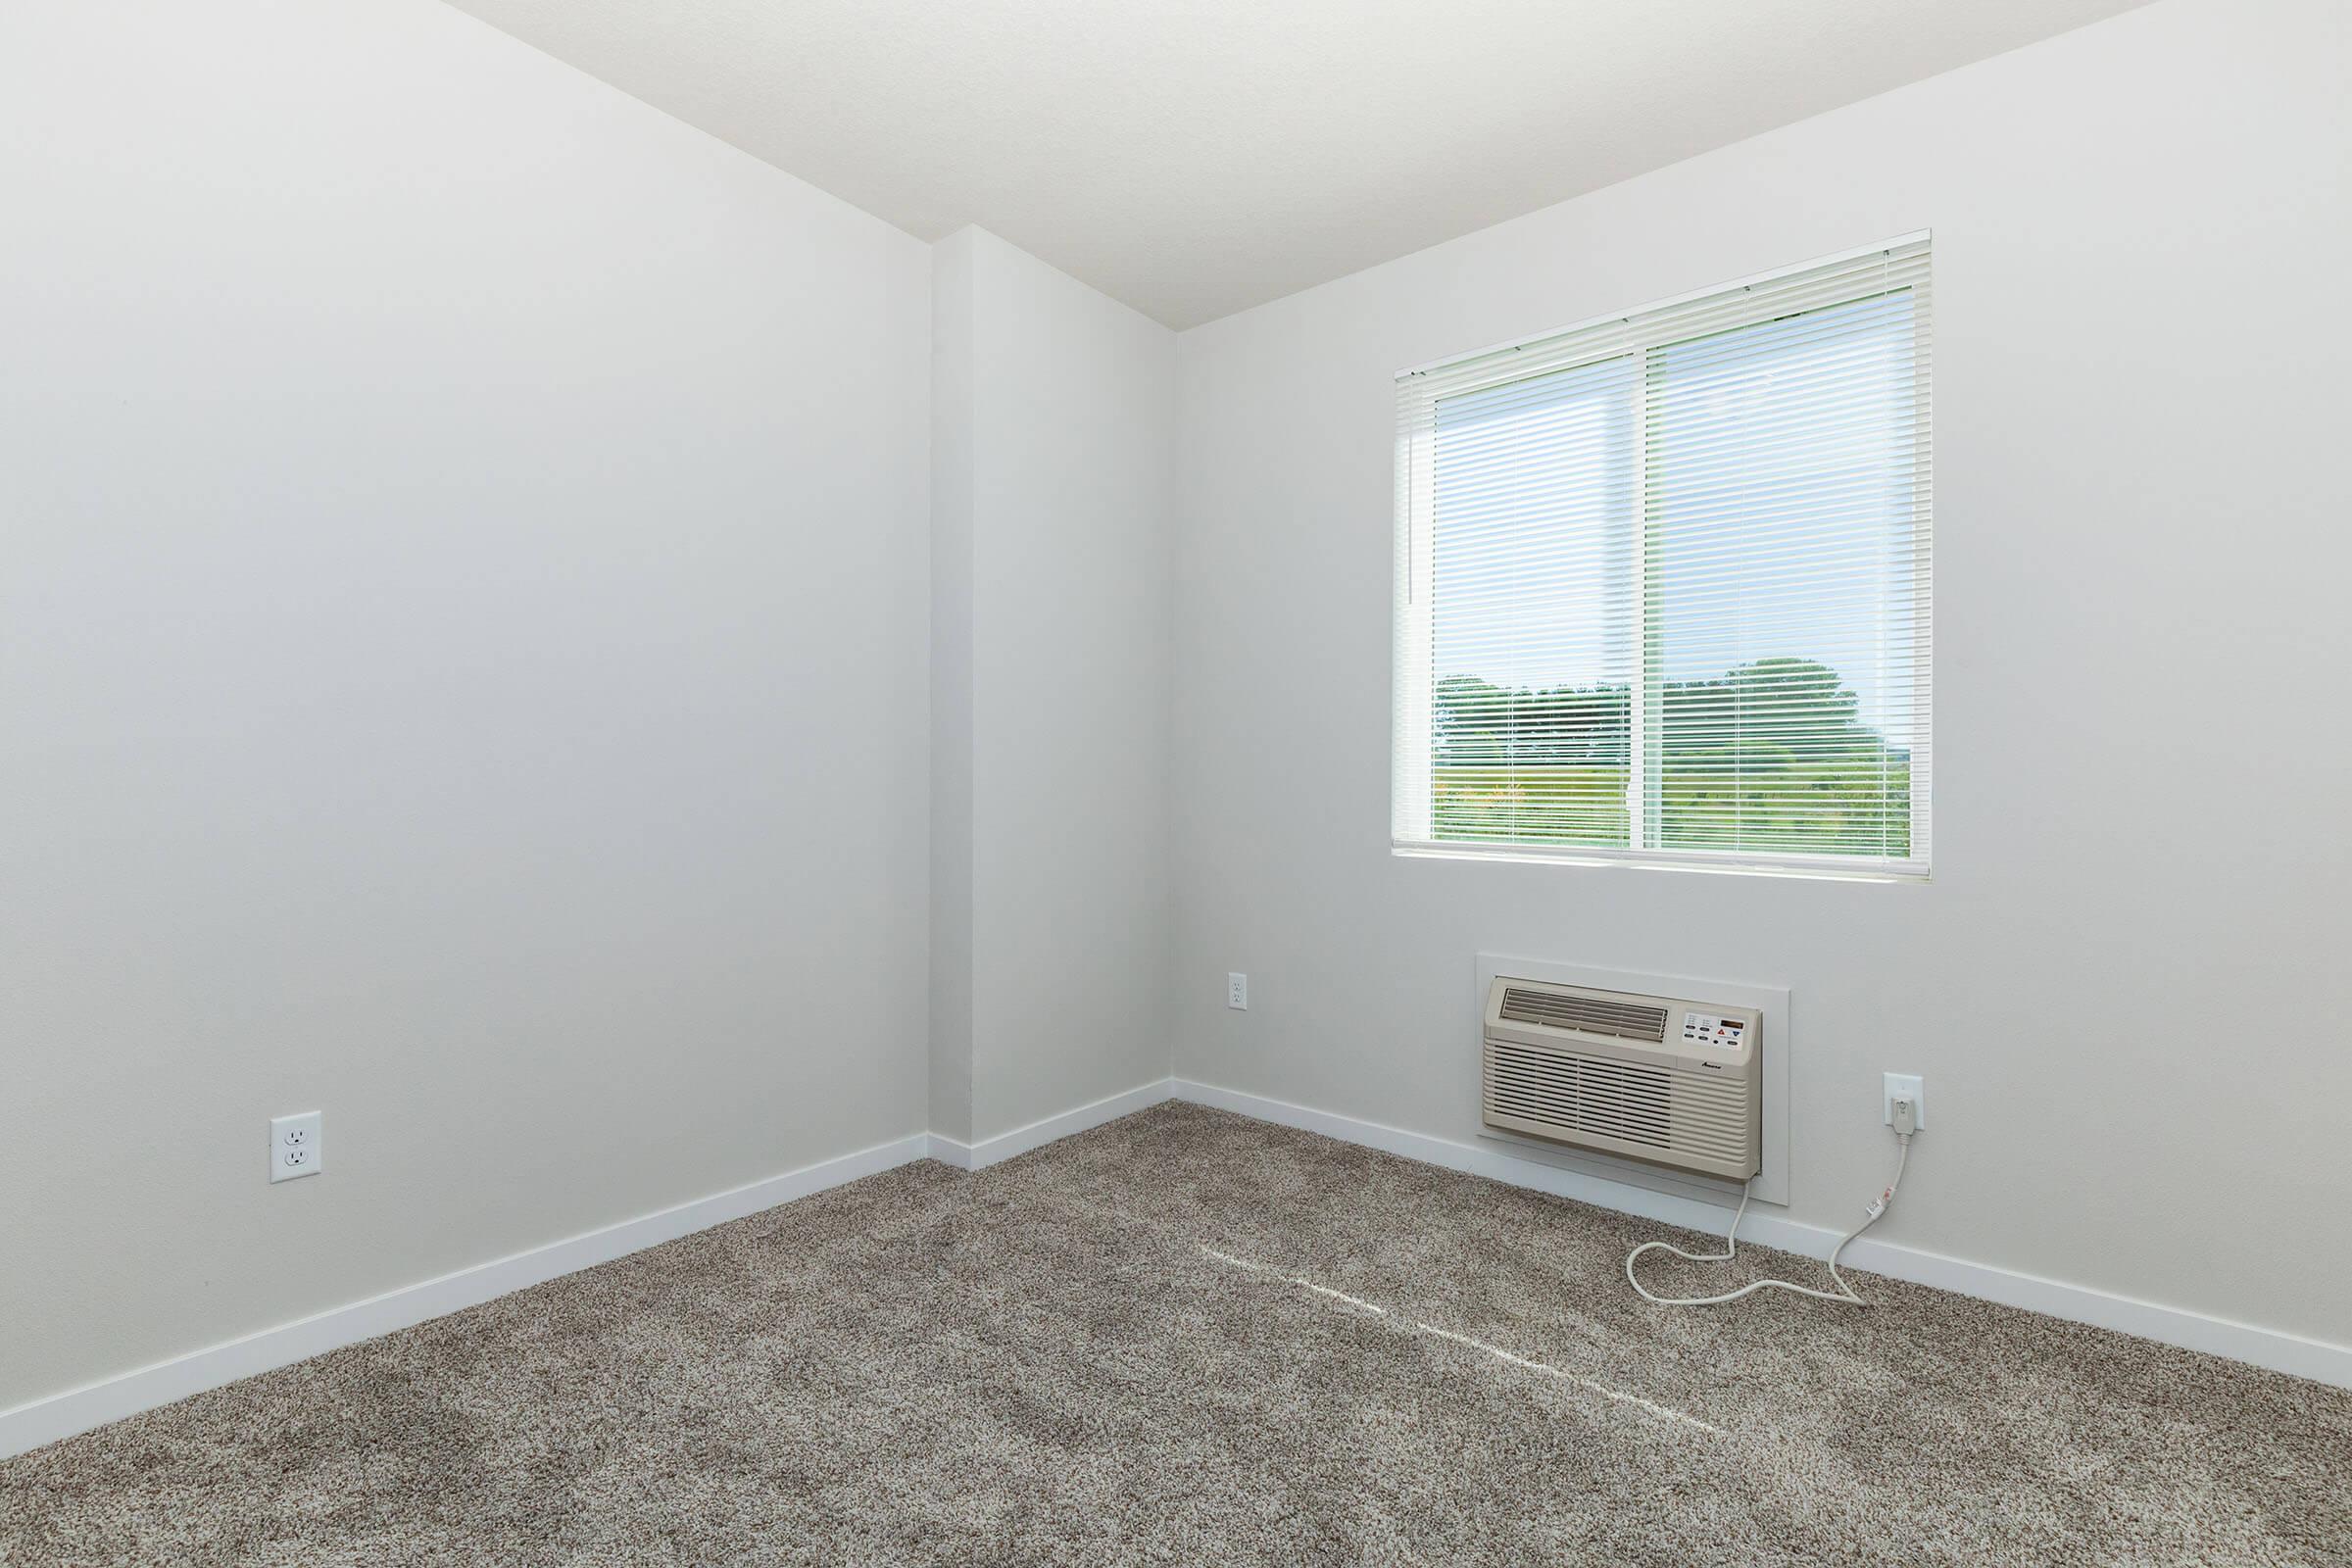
1635	1105
1685	1116
1589	1095
1594	1015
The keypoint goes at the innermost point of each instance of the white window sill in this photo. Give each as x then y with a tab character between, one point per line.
1815	868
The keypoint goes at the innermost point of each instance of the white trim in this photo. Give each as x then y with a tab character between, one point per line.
1037	1134
1918	236
60	1415
2291	1353
47	1419
1819	869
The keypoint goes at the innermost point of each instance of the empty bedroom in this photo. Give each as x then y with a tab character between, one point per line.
889	784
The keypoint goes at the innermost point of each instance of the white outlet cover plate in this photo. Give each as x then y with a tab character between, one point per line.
1912	1086
297	1145
1237	992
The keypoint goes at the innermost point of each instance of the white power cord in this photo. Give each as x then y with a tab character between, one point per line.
1905	1118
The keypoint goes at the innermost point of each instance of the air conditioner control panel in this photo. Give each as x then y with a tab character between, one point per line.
1714	1029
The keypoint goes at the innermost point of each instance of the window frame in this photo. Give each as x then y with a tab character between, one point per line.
1641	331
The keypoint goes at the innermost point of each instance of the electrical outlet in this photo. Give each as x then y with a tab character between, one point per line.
1911	1087
1237	992
297	1145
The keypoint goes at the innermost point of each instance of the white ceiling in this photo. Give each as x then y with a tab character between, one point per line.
1197	157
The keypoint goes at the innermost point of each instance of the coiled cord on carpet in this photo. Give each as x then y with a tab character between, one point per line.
1844	1292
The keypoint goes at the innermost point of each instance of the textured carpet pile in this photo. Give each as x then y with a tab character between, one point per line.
1191	1338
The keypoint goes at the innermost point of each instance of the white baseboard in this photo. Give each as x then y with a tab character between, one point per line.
2291	1353
989	1150
60	1415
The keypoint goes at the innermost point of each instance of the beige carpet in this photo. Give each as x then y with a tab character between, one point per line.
1188	1338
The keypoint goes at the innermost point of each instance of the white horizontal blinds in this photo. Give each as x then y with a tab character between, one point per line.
1531	637
1783	510
1663	580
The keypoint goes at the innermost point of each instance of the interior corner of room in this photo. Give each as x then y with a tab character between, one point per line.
1177	816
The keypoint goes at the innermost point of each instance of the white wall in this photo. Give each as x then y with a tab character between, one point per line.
462	579
1051	433
2117	985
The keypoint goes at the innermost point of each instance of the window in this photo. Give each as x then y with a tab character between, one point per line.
1663	582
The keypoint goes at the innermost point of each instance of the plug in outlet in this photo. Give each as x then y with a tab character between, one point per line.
297	1145
1911	1087
1237	992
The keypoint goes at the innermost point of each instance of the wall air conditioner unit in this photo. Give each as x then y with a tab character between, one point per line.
1671	1080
